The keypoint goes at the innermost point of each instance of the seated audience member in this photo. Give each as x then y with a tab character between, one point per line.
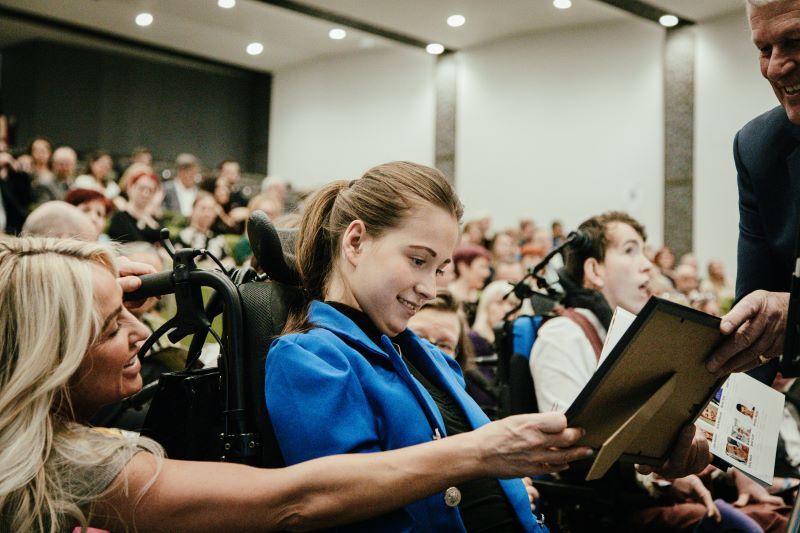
136	221
180	192
142	156
471	265
44	184
447	277
685	278
15	195
440	323
99	175
665	261
65	162
472	234
94	204
508	271
231	172
485	223
230	219
557	232
705	302
492	309
199	233
531	256
276	189
264	202
543	239
689	259
61	220
41	152
526	229
59	473
503	248
718	284
369	252
611	272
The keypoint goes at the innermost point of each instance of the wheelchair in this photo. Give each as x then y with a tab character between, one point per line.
220	414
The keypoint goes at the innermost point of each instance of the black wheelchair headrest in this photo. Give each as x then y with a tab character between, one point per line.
273	249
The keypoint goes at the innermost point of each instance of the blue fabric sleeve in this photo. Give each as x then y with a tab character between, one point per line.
304	390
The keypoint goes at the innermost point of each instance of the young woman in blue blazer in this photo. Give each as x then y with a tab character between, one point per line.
349	377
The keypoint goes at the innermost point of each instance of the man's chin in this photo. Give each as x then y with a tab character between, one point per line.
792	111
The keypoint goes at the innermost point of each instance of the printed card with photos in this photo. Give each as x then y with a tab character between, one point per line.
741	423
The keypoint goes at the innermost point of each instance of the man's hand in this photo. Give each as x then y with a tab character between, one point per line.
690	456
756	327
128	277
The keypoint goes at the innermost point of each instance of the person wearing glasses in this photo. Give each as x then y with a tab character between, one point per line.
440	323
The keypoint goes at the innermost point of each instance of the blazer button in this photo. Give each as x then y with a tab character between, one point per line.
452	497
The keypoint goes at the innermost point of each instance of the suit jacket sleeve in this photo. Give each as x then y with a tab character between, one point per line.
756	266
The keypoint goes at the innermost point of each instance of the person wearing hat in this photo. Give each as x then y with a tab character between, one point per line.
180	193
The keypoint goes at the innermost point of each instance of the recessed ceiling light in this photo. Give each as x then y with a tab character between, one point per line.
456	20
337	34
144	19
255	48
668	21
226	4
434	48
562	4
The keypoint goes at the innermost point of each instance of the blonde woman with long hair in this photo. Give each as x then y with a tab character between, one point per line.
69	346
492	307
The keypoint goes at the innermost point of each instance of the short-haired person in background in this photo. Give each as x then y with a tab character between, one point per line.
65	162
471	264
59	473
61	220
612	271
142	155
181	191
439	322
230	171
96	206
349	377
137	220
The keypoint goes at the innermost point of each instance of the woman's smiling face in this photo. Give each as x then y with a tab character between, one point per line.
110	369
390	276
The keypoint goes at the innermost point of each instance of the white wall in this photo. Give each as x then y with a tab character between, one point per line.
564	125
335	118
729	91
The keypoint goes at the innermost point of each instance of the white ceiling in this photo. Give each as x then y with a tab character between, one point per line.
202	28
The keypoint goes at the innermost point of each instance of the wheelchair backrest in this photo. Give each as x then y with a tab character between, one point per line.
515	341
266	305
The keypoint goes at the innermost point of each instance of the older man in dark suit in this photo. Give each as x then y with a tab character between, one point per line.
768	168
